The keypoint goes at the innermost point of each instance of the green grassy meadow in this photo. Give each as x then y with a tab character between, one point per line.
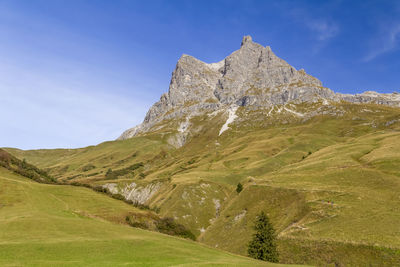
48	225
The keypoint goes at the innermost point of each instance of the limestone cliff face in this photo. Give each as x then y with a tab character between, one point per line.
255	75
138	194
251	76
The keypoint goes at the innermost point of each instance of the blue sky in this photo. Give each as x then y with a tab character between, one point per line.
75	73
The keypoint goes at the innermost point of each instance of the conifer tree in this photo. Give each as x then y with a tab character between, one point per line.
239	188
263	244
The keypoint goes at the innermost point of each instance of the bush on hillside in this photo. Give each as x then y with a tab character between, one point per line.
109	174
170	227
121	172
88	167
135	223
153	222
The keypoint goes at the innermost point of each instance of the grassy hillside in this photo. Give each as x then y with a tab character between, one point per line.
92	163
330	183
47	225
23	168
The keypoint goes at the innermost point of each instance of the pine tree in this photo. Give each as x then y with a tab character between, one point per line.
239	188
263	244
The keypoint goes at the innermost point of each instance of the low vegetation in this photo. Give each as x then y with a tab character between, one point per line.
170	227
154	222
23	168
121	172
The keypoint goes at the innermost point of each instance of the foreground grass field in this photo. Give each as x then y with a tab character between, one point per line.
47	225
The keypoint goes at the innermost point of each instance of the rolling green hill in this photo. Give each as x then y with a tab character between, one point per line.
48	225
330	183
23	168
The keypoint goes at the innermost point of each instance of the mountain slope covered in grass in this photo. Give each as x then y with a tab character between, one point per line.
329	185
23	168
47	225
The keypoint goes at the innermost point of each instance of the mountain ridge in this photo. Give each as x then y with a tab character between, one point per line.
252	76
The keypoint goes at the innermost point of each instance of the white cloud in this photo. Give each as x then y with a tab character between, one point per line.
387	41
323	29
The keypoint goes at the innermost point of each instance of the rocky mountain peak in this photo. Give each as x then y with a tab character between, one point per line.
253	76
246	39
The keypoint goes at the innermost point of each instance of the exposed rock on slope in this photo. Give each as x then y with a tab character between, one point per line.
251	76
133	192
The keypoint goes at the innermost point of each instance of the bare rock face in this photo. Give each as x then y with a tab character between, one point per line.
251	76
133	192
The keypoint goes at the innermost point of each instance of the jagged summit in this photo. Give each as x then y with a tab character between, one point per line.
252	76
246	39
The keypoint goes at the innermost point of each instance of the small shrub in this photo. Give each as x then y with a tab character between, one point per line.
118	196
134	223
170	227
88	167
101	189
121	172
156	209
109	174
128	201
92	174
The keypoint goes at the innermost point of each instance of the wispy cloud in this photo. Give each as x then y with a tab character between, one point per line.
323	29
387	41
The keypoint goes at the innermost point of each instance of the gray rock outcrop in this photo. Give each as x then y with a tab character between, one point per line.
133	192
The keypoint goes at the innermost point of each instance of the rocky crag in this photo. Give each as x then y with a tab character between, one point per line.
252	77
